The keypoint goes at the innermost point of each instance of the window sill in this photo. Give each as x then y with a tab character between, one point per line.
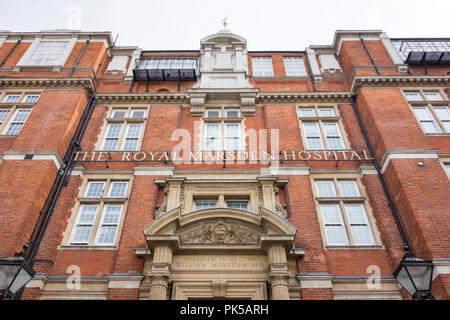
355	247
4	136
86	247
17	104
222	119
334	118
119	120
445	134
334	199
99	199
52	68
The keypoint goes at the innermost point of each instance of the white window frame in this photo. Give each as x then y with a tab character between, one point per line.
88	187
25	60
228	201
124	123
263	71
12	121
321	121
102	223
441	125
341	201
12	107
101	204
196	202
298	68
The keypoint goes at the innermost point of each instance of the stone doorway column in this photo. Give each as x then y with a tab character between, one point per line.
159	275
278	271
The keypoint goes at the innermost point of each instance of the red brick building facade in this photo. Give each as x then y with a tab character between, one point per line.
221	172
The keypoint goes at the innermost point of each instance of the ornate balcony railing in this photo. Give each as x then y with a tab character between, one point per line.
166	69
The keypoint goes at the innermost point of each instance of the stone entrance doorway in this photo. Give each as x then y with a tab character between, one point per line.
219	253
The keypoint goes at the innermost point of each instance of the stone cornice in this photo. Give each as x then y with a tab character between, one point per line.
47	83
293	97
169	98
397	81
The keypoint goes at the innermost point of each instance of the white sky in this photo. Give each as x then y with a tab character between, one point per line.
267	25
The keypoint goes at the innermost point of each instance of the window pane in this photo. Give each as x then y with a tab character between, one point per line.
132	137
31	98
430	127
112	214
334	228
359	225
349	188
87	214
443	113
325	189
82	234
114	130
119	114
14	129
413	96
423	113
336	235
48	53
240	205
333	135
107	234
112	137
313	137
118	189
95	189
433	96
212	135
294	66
262	67
21	115
326	112
232	113
307	112
213	113
203	204
11	98
138	114
3	114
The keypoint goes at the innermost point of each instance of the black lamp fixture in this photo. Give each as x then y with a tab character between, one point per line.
15	272
415	275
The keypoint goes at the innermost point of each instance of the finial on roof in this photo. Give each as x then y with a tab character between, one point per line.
225	23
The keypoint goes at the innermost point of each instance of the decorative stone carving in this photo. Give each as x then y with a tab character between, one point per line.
220	233
280	210
182	198
260	197
160	211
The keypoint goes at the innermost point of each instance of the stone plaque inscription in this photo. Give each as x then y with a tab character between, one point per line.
217	263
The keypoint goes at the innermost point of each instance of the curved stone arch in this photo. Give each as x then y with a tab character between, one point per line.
223	36
265	234
268	222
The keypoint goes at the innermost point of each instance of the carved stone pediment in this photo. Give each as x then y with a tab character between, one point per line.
219	232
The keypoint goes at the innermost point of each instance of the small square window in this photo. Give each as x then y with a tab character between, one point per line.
138	113
213	113
307	112
349	188
119	114
11	98
327	112
433	96
232	113
237	204
205	204
95	189
118	189
31	98
325	189
413	96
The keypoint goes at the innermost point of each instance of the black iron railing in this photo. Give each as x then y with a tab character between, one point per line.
423	51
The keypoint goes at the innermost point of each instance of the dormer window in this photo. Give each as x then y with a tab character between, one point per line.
48	53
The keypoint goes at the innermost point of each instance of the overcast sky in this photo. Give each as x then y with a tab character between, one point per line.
266	24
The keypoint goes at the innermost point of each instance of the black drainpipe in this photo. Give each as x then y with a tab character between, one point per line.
79	56
406	246
310	71
10	51
370	55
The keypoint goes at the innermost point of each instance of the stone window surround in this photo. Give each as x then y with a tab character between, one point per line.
23	62
81	199
125	121
362	199
15	105
318	118
222	120
429	104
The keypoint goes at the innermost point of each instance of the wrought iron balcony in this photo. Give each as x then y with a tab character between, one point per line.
423	51
166	69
